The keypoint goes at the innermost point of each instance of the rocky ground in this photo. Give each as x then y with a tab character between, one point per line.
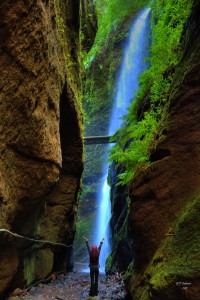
73	286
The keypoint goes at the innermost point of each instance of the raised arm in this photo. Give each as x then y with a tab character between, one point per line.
86	241
101	243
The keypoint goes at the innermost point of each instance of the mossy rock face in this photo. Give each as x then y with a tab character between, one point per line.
38	265
84	227
174	272
88	24
121	250
165	197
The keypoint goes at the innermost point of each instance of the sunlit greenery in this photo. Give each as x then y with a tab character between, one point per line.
110	13
140	134
100	74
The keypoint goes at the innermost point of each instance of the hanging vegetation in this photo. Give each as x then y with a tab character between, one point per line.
110	14
146	118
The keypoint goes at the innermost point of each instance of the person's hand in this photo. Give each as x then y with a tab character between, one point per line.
85	239
102	240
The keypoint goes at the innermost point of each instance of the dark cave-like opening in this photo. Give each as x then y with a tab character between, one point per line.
67	117
66	191
70	134
159	154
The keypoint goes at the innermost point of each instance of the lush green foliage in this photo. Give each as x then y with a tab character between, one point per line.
110	13
101	74
174	252
167	20
140	135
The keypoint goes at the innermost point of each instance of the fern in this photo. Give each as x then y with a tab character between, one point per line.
168	18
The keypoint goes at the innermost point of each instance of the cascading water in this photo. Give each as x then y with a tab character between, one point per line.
132	66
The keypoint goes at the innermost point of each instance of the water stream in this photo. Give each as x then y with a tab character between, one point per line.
133	65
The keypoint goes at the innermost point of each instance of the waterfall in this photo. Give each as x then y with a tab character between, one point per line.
132	66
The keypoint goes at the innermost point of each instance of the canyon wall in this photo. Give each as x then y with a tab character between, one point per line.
89	24
165	199
41	137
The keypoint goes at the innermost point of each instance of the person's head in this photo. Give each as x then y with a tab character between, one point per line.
94	248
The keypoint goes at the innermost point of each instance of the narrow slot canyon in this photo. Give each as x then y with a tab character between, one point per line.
99	143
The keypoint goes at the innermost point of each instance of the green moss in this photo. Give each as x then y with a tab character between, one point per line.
177	260
83	228
113	262
29	269
129	271
110	263
180	252
38	265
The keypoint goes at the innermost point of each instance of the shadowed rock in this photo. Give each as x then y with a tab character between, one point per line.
41	141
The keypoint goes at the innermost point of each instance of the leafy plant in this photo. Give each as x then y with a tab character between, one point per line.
110	13
167	20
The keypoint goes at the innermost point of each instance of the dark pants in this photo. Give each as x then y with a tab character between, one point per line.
94	273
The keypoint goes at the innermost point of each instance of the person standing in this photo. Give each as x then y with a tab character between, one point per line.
94	253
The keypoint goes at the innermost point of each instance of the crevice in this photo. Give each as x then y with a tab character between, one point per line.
76	16
159	154
69	133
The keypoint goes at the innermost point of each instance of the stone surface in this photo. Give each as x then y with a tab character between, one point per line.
9	265
165	197
121	254
40	124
